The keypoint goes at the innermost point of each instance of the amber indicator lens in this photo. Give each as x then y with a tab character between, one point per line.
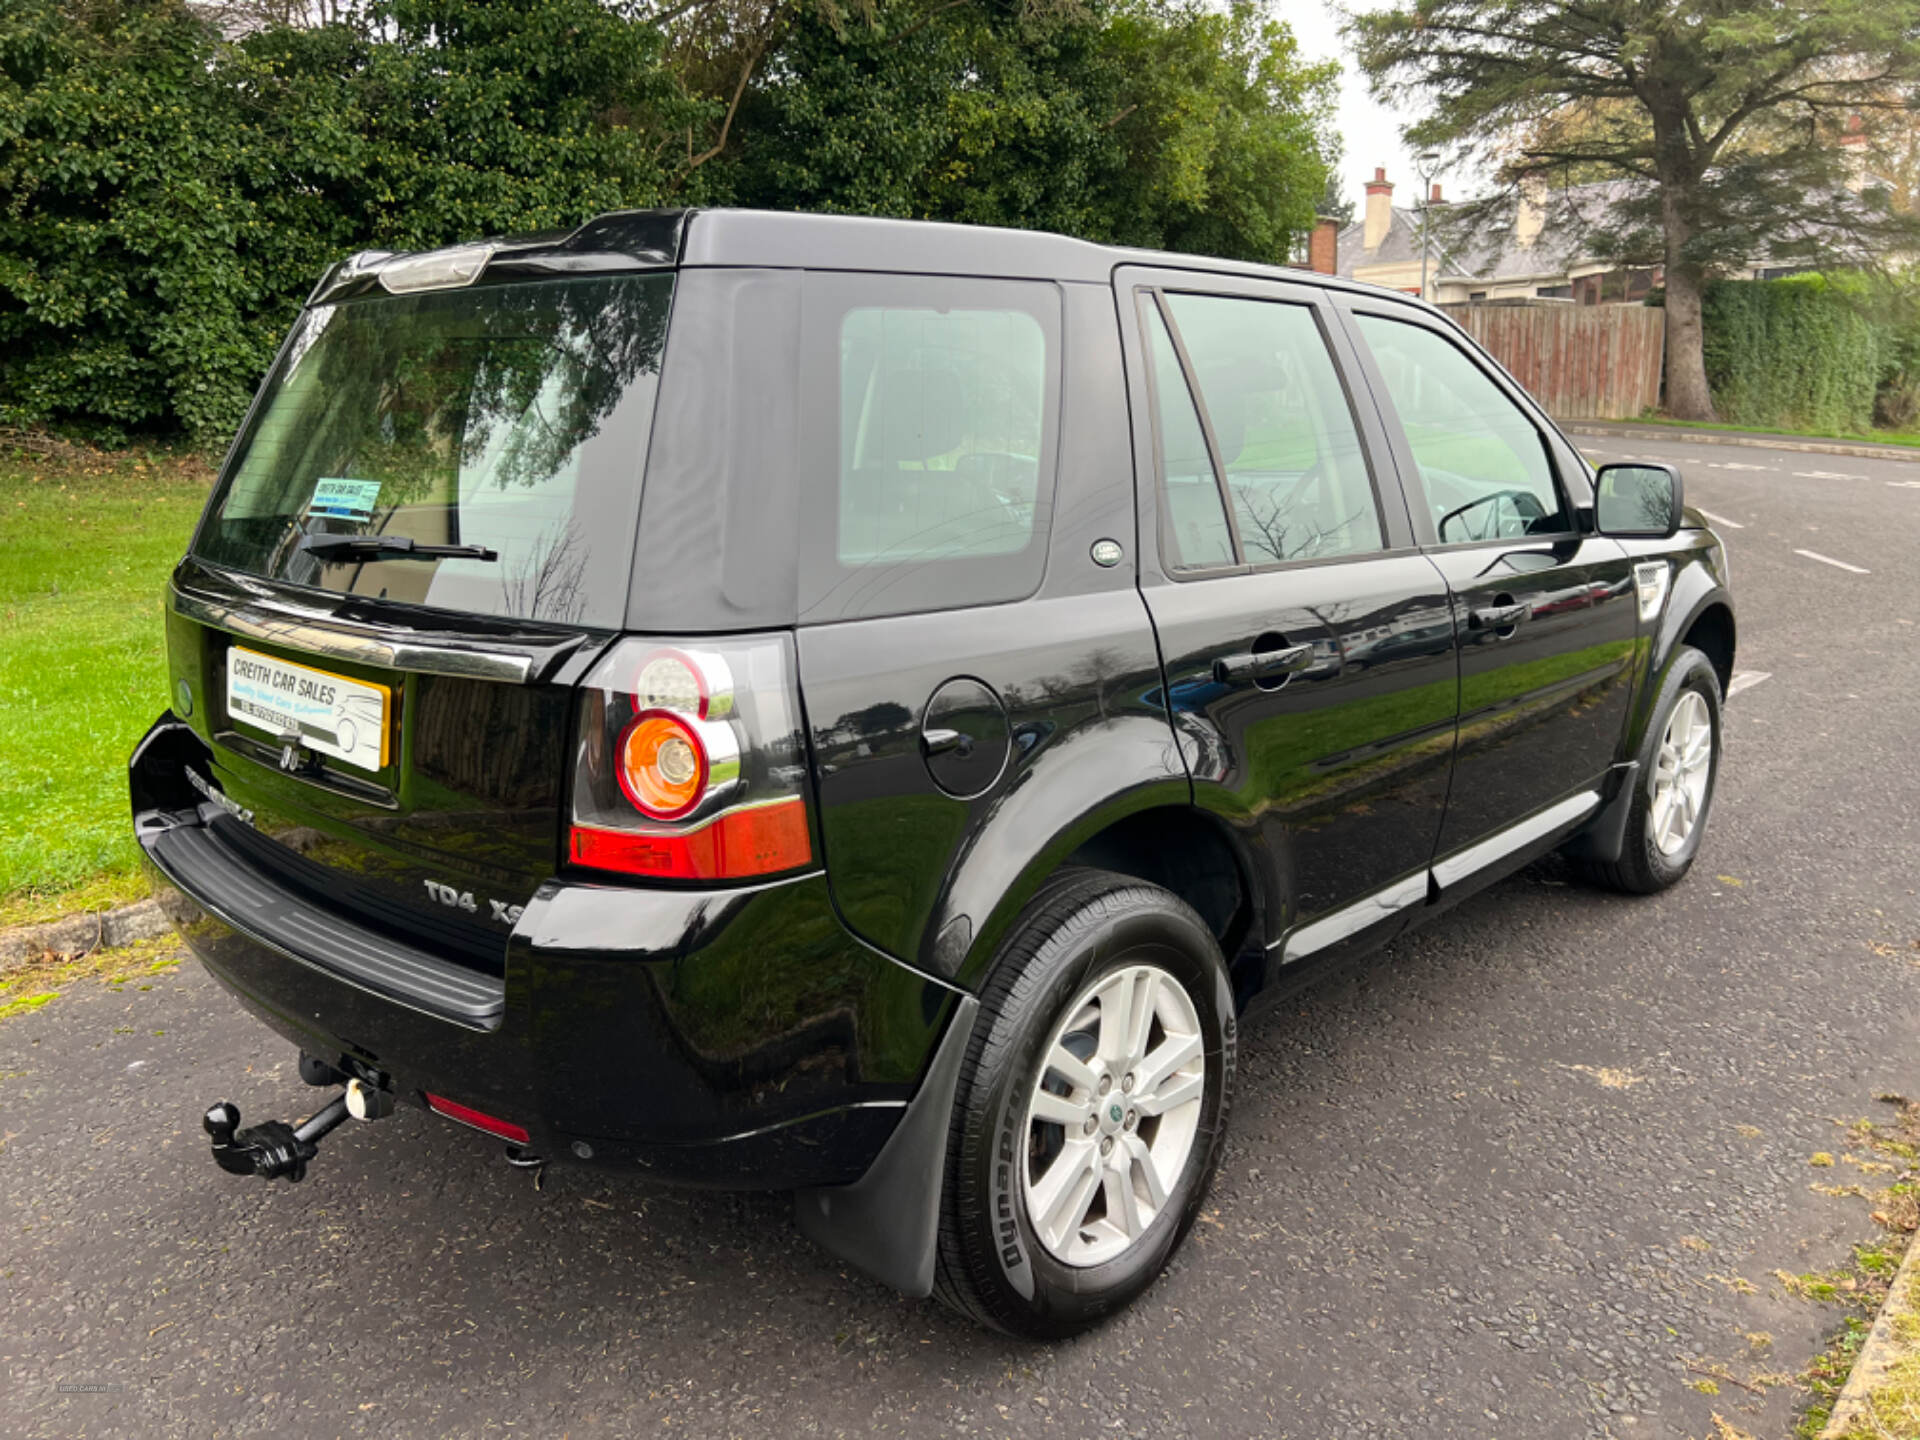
663	766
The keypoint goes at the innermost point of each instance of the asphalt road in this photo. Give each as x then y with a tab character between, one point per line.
1504	1179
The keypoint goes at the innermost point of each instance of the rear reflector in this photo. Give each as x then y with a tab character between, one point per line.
753	840
478	1119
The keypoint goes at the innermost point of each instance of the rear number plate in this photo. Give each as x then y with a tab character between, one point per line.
330	714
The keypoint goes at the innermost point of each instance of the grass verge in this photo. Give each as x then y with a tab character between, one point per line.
1909	438
39	983
1891	1405
1886	1152
88	540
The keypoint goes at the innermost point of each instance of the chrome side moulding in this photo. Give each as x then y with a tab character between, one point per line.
1385	903
1462	863
1362	914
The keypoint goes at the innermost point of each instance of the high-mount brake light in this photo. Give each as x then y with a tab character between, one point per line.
684	774
449	269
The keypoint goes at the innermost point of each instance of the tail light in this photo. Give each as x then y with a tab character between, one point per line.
691	762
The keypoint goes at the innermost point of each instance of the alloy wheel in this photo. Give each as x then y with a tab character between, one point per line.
1115	1111
1681	772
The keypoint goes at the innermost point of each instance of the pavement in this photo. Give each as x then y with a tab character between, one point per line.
1508	1178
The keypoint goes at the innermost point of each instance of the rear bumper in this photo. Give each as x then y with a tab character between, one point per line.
736	1038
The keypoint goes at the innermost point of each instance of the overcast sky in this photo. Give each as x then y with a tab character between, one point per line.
1371	130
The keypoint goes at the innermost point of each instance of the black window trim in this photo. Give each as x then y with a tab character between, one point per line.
1351	307
1239	566
1154	292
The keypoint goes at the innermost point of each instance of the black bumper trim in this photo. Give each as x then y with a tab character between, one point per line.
214	876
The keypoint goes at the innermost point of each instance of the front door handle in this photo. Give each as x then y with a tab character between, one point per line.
1500	617
1261	664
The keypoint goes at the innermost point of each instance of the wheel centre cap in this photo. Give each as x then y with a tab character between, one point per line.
1112	1115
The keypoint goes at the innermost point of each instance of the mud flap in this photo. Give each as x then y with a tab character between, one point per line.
1605	836
887	1223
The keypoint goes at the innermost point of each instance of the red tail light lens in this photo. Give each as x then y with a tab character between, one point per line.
478	1119
753	840
692	763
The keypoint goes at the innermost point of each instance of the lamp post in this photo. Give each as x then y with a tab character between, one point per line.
1426	165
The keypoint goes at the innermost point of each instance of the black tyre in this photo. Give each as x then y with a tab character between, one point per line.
1673	788
1089	1116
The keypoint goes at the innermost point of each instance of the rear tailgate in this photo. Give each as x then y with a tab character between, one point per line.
440	844
423	536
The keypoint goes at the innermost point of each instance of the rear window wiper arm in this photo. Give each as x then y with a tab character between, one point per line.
336	548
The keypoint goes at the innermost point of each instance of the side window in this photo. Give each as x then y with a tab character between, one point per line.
1282	428
1483	463
1195	518
940	421
930	412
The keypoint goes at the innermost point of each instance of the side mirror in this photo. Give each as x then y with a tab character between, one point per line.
1638	500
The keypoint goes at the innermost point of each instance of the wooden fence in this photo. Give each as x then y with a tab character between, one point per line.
1581	362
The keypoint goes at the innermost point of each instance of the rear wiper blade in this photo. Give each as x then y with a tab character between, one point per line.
330	549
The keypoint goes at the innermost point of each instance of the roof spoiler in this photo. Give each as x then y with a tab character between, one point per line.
624	240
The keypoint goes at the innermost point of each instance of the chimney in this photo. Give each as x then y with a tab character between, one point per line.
1323	247
1379	209
1434	198
1529	215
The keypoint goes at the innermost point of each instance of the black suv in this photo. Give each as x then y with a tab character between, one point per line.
865	708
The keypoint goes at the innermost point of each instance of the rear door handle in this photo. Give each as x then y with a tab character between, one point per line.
1499	617
1261	664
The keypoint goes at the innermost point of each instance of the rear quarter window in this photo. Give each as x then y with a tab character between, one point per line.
930	423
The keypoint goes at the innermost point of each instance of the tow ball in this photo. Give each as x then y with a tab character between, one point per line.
274	1148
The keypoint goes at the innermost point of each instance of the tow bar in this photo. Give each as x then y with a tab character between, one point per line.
274	1148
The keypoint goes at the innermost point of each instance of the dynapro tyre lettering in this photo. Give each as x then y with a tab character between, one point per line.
1006	1178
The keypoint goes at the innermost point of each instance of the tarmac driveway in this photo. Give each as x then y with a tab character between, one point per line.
1505	1179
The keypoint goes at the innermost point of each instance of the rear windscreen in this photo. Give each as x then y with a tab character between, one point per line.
508	417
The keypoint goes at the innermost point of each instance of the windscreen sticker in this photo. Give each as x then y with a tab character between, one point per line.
344	499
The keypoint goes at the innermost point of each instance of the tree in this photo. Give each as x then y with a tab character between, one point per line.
116	208
175	176
167	199
1136	123
1335	203
1722	112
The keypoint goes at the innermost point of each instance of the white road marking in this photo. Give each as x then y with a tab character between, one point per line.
1736	465
1722	520
1746	680
1829	560
1825	475
1905	484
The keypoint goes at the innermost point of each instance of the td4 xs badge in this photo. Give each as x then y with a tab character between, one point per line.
463	900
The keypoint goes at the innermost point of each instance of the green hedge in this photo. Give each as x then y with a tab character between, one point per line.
168	197
1805	352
